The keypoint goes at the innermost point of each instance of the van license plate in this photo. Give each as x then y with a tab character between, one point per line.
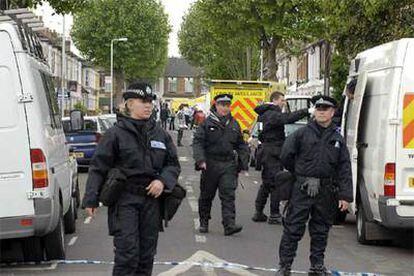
411	182
37	194
79	154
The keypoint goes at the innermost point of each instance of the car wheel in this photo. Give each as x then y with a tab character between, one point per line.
33	250
55	241
70	217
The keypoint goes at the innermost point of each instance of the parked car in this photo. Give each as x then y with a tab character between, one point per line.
37	178
111	118
378	126
83	142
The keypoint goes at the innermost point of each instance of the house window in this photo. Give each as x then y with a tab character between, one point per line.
189	85
172	85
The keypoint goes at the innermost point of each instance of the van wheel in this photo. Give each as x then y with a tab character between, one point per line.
70	217
33	250
55	241
361	225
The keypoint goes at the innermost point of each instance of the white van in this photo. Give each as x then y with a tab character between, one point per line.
378	125
37	185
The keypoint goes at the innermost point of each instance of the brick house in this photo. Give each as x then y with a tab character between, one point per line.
180	80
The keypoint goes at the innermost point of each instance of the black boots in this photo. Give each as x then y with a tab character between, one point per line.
284	270
232	229
259	217
319	270
203	227
275	219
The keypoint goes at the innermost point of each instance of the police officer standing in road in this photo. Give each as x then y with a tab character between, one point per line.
272	137
215	143
317	155
147	155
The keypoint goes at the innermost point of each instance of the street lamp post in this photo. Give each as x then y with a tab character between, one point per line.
112	70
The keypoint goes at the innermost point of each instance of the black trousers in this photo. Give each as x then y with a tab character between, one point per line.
271	165
134	223
164	124
180	136
321	210
172	127
221	176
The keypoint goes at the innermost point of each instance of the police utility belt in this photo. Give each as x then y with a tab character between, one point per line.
224	158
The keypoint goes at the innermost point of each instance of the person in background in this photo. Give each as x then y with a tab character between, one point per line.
272	137
182	125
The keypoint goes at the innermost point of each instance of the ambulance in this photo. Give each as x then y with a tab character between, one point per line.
246	96
378	125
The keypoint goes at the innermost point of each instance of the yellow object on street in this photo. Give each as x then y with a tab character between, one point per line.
246	96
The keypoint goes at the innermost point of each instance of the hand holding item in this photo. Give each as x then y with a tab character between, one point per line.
155	188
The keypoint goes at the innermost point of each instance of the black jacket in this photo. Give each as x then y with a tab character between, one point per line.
218	139
149	153
309	152
274	122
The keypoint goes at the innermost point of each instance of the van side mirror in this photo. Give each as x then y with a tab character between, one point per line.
76	120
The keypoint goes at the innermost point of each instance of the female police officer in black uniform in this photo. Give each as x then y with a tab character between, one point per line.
149	160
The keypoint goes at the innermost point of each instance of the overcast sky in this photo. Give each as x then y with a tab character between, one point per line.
174	8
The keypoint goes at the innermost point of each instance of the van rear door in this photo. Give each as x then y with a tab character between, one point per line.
15	165
353	112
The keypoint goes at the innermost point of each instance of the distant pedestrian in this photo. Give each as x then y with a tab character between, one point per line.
172	119
164	115
182	125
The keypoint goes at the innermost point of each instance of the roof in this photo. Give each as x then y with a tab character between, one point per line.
179	67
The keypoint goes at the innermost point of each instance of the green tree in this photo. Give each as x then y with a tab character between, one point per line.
204	43
353	26
143	22
279	24
59	6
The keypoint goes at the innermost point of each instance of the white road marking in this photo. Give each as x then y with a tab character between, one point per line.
200	238
189	189
183	159
205	258
72	241
87	220
255	182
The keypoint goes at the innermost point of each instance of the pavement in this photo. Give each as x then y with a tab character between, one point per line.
254	251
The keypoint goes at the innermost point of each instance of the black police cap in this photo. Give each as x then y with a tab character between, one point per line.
139	90
223	98
322	100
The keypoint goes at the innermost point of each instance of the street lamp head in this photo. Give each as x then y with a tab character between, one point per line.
122	39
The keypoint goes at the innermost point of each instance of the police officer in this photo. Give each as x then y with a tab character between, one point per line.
318	156
272	137
214	144
149	160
